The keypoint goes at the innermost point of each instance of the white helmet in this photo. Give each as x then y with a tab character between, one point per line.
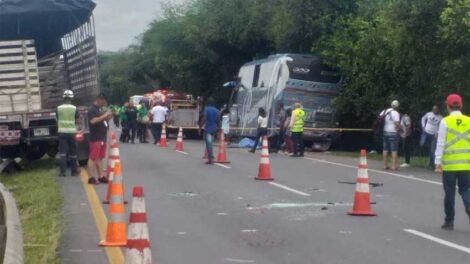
68	94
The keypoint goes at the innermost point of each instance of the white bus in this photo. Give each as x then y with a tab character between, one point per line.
276	83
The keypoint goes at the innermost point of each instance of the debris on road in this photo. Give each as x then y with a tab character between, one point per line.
184	194
373	184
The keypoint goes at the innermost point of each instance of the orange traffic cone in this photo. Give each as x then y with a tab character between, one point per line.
163	141
110	182
116	231
113	157
264	172
222	154
138	244
179	141
362	196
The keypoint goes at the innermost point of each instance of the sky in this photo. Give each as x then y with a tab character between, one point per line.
119	22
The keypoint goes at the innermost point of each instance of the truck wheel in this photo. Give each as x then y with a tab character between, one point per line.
321	146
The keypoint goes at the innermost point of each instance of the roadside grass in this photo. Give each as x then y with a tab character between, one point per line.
39	200
416	161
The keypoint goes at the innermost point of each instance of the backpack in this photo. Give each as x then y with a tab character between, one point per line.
379	122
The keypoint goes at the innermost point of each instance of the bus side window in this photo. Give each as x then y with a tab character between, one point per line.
256	76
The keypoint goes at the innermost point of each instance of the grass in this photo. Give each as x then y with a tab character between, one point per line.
39	200
416	161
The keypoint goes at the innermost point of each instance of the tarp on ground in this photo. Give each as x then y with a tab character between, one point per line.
45	21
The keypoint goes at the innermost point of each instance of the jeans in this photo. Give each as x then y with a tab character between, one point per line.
262	131
449	180
209	138
298	140
67	148
141	129
156	129
429	141
407	143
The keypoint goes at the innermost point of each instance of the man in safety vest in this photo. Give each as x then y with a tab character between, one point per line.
67	115
453	157
297	128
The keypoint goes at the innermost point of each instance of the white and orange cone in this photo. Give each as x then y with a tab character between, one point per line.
179	141
222	154
163	141
138	242
361	205
264	172
112	158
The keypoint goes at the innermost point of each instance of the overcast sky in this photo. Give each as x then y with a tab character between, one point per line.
119	22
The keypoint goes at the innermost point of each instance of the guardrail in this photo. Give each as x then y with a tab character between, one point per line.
11	235
305	129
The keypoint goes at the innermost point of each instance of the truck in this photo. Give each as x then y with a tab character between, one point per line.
46	47
276	83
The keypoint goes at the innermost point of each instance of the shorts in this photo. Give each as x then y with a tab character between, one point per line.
97	150
391	142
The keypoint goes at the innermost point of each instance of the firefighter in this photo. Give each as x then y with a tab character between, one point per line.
67	116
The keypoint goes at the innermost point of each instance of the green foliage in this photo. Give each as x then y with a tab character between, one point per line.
416	51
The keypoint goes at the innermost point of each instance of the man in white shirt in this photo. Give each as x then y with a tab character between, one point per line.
158	116
391	137
430	124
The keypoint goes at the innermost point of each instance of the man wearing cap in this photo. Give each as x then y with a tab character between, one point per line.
391	137
452	157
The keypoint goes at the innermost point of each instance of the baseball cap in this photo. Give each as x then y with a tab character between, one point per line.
395	103
454	100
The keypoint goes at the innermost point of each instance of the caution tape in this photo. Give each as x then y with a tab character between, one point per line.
305	129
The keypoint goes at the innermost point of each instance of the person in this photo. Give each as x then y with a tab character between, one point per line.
143	120
67	117
262	129
405	134
296	127
124	138
225	122
430	124
281	118
116	109
452	158
158	116
390	134
98	123
289	145
131	114
209	121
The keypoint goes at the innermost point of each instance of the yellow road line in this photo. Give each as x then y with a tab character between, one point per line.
115	255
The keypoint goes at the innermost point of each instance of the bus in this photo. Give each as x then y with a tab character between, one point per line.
276	83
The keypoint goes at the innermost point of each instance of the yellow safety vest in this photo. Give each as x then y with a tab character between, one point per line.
66	118
299	120
457	149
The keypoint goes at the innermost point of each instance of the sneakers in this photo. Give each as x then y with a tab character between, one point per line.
405	165
92	180
448	226
103	180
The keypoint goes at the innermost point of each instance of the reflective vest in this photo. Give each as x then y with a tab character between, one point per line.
456	155
299	120
66	118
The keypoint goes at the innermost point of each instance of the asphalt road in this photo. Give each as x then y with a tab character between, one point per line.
205	214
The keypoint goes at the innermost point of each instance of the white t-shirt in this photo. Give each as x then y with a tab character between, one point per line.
262	122
159	113
430	123
392	117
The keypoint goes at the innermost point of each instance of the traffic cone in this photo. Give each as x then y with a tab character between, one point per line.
110	181
116	230
264	172
179	141
163	141
138	244
112	158
361	205
222	154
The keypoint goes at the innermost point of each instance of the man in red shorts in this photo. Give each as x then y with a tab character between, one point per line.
98	121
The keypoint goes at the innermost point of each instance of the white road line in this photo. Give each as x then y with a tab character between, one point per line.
222	165
438	240
239	260
376	171
182	152
289	189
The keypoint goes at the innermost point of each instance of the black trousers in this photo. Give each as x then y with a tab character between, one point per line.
141	129
156	131
67	149
132	126
449	180
261	132
407	144
298	140
125	131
